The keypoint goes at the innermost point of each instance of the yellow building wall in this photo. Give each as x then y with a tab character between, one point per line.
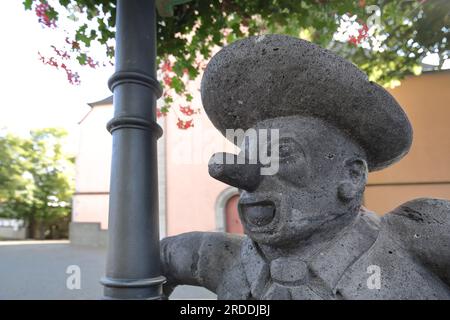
425	171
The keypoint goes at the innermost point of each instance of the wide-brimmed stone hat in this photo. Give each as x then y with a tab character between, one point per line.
271	76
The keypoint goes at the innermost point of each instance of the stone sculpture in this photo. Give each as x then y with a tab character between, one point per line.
307	235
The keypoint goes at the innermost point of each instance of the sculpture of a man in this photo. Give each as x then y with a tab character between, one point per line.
307	235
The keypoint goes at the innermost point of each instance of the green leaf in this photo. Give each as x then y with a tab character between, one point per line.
177	85
166	7
28	4
82	58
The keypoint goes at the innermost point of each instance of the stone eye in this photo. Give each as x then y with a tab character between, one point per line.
285	151
290	151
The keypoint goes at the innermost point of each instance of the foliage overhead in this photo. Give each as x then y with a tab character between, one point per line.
35	177
386	39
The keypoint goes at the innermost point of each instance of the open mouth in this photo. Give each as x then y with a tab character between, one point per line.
259	213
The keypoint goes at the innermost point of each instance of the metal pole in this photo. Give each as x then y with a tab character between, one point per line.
133	266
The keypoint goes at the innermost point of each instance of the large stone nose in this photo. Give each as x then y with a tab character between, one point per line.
225	167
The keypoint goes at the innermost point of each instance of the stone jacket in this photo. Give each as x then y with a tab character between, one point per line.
403	255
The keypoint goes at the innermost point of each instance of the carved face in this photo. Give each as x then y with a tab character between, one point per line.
321	177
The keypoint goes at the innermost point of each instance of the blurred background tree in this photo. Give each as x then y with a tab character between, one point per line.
36	182
386	39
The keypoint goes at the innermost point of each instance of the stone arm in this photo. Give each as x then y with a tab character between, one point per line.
198	258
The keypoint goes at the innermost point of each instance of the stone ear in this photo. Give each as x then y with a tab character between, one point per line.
356	177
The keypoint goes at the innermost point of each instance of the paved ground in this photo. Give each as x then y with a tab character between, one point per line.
37	270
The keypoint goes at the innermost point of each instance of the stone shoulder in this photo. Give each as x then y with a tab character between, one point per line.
422	228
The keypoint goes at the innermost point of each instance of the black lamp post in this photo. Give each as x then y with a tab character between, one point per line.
133	266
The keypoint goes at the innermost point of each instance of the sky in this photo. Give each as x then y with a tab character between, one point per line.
34	95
